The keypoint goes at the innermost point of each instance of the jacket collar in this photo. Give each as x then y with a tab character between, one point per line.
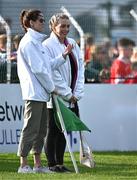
35	36
53	36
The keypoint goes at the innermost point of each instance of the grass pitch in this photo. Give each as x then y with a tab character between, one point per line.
109	166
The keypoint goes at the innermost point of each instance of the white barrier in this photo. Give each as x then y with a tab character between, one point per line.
110	111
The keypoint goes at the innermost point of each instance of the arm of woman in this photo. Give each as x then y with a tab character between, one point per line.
79	89
60	59
63	89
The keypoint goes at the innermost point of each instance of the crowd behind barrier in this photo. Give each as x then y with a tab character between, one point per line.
98	60
13	58
3	73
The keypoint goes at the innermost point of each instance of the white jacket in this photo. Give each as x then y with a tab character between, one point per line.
62	76
34	67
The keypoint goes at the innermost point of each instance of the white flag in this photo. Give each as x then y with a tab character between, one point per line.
86	156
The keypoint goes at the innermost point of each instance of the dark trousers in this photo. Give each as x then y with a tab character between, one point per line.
55	142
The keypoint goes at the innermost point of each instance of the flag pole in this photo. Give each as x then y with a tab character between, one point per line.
65	133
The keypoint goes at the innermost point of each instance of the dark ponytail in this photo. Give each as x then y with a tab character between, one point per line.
26	16
23	19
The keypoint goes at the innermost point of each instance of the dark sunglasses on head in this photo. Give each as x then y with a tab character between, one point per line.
41	20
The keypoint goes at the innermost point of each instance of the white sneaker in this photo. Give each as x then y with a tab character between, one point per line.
41	170
25	169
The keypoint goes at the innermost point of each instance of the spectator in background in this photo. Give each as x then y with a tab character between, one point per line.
3	42
69	82
134	72
121	70
89	48
110	49
134	55
3	48
134	65
16	40
98	68
113	52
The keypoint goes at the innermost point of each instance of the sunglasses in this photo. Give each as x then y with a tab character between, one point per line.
41	20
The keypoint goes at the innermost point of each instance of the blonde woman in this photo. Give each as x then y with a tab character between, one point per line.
69	83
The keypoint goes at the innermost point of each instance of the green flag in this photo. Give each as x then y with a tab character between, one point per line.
71	120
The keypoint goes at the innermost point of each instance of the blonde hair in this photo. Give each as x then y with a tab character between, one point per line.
53	22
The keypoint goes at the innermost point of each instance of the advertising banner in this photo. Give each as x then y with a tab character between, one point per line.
110	112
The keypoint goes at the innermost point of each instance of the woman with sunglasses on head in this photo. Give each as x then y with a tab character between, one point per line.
69	82
34	71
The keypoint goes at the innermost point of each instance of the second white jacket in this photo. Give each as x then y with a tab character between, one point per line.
62	76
